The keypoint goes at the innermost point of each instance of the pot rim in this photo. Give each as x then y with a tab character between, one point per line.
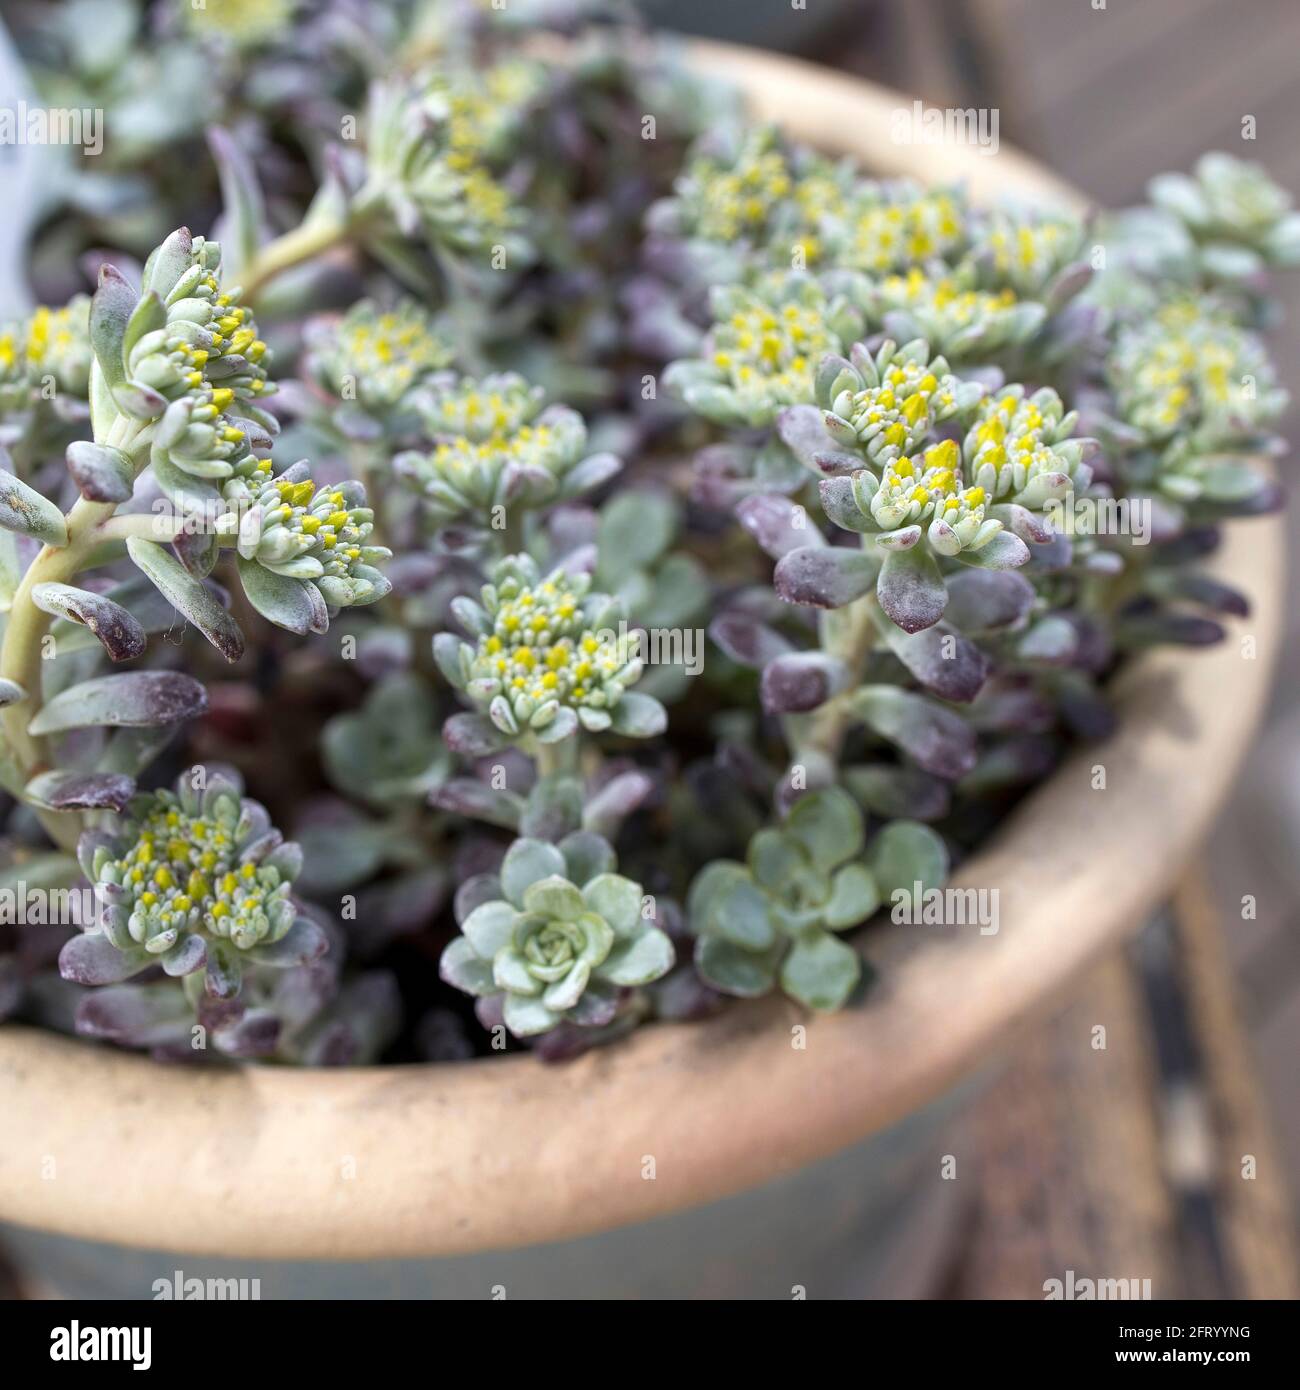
266	1162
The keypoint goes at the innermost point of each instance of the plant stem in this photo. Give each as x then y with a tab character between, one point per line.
555	759
21	654
289	250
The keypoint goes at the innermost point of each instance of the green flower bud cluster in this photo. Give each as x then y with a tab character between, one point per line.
561	941
894	227
294	528
885	405
192	878
425	161
763	349
52	343
1191	372
376	356
545	657
1026	254
1019	448
951	314
494	446
929	489
198	335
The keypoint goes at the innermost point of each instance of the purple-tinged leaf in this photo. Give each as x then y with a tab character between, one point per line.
92	959
471	735
607	809
302	943
803	431
135	699
118	631
824	576
80	791
841	507
466	796
1052	640
911	589
100	473
946	664
778	524
748	640
982	600
801	681
1173	629
136	1015
935	738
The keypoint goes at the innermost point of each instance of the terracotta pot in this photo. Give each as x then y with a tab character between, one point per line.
392	1162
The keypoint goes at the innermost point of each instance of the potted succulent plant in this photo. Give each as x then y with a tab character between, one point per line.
705	545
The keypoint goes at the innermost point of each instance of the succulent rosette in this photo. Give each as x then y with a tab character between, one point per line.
777	917
496	449
547	657
883	405
302	545
1022	451
561	941
195	880
374	356
1240	217
1038	256
1196	390
891	227
762	351
430	182
950	312
914	515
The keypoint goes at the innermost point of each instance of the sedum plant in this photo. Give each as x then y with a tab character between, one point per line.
625	567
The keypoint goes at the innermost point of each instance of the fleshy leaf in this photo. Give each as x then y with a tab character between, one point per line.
733	970
80	791
134	699
821	971
293	604
911	589
189	596
904	854
118	630
937	739
100	473
24	510
824	576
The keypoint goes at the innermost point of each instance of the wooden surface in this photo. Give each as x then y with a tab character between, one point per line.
1130	1162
